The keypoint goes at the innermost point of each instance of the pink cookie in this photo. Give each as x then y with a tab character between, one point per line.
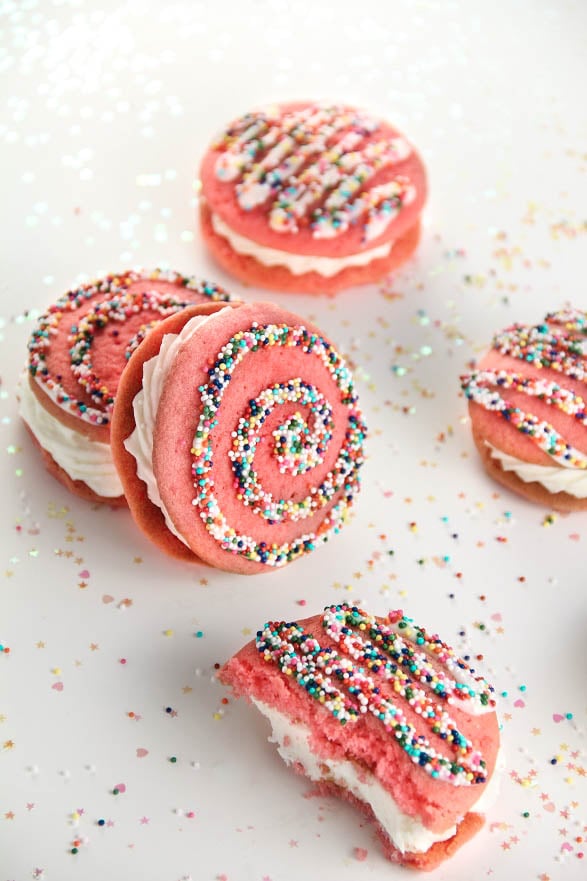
238	437
77	353
311	197
384	714
528	413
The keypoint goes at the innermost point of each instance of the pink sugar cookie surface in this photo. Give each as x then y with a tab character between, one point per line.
176	424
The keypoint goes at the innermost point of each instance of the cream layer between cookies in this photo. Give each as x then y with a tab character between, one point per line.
406	833
81	458
145	404
297	264
554	478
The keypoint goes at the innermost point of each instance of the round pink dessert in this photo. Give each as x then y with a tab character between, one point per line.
77	354
527	402
252	457
311	197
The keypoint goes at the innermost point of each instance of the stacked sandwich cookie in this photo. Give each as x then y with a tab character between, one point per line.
311	197
77	353
238	436
383	714
527	402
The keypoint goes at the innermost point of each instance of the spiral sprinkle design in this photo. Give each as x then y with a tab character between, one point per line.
346	680
297	446
109	288
117	310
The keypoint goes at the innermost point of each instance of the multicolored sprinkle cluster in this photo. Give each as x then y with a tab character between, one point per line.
543	345
341	480
108	293
299	447
138	338
313	164
557	344
118	310
347	679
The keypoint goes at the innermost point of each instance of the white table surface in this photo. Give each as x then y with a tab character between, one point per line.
106	108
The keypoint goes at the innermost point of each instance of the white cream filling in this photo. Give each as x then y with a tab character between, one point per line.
297	264
405	833
81	458
555	478
145	405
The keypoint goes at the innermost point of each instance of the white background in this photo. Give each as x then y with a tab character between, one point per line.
105	111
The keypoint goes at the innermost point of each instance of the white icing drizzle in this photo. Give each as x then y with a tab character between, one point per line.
291	159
